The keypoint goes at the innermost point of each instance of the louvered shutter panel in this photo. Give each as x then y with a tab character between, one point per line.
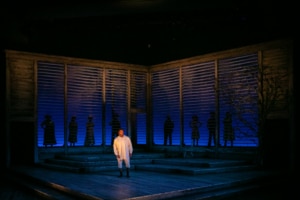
116	99
165	101
138	95
238	95
199	99
84	99
51	99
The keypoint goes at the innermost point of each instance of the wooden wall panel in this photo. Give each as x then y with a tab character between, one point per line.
22	88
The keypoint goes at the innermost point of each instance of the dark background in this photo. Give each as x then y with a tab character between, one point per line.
143	31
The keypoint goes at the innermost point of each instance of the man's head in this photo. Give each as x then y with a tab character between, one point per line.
121	132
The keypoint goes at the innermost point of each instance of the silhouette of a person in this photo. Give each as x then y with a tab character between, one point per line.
168	130
89	137
195	125
49	131
115	126
73	129
211	126
228	130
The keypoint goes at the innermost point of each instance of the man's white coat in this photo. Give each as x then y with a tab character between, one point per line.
123	147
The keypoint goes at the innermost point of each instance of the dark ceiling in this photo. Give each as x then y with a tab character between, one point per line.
143	32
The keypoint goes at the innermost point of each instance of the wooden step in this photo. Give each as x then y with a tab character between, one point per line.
191	170
198	162
156	162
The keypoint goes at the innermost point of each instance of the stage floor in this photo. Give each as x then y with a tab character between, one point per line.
144	184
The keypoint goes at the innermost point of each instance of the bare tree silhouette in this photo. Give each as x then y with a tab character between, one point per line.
268	99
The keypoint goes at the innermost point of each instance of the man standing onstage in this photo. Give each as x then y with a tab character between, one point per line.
123	151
